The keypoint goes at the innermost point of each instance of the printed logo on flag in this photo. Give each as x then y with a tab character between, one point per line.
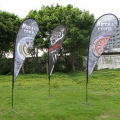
106	26
99	45
24	46
56	36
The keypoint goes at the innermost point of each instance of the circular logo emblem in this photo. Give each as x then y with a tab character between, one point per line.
24	46
99	45
56	36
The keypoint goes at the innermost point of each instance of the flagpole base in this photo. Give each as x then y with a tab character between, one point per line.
14	111
50	96
85	104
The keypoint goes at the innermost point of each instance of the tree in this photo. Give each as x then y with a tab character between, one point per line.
79	24
9	24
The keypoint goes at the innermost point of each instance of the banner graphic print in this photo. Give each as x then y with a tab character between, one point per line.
55	44
102	32
24	42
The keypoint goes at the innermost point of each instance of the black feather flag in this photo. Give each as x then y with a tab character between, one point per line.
55	44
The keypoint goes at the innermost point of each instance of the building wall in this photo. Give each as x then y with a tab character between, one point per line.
109	61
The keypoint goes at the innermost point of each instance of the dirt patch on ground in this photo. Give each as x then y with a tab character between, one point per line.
103	116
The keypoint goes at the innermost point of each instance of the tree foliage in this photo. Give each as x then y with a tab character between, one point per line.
79	24
9	24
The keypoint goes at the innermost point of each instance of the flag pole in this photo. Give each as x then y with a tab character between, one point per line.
49	86
86	92
49	73
87	103
13	75
12	96
87	80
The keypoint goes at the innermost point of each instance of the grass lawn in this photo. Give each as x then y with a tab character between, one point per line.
68	95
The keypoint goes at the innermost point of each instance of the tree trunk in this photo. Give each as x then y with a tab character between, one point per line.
47	67
37	55
72	60
37	68
23	70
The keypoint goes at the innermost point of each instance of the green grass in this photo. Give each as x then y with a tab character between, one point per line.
68	95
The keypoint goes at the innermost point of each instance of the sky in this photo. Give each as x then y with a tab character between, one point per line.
95	7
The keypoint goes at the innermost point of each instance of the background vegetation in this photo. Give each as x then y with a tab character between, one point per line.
79	24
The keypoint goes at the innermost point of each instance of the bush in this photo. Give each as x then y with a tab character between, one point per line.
6	66
34	65
39	65
63	64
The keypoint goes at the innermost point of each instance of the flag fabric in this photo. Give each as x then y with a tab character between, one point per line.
55	44
102	31
24	42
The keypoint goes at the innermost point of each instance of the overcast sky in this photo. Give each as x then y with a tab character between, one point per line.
96	7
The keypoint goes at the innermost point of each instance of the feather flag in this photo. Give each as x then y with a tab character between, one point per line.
24	42
55	44
102	31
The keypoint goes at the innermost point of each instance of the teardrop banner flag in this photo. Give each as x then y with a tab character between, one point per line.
101	34
102	31
55	44
24	42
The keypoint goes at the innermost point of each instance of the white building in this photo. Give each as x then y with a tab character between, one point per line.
10	54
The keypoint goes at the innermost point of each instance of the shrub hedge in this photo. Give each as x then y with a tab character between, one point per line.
39	65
